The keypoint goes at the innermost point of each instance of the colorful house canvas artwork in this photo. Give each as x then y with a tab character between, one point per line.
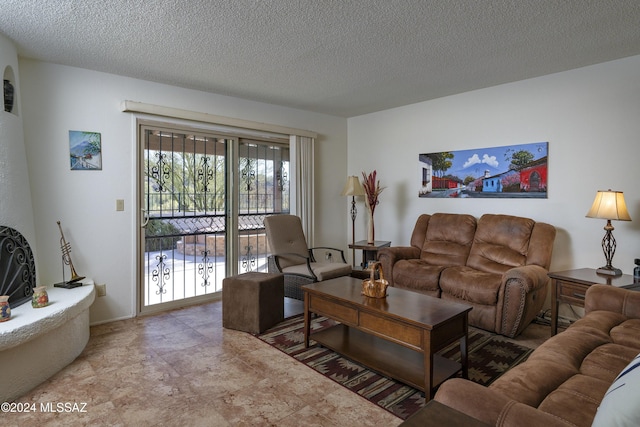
513	171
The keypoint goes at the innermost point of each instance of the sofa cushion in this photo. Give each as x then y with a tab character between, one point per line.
500	243
532	383
619	407
471	285
627	333
602	321
448	239
607	361
323	271
481	316
574	346
580	392
417	275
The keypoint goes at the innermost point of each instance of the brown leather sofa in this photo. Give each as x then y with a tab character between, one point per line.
498	264
563	381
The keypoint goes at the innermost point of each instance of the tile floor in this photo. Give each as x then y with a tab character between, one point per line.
183	368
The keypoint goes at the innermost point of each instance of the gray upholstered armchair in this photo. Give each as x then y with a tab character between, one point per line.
291	256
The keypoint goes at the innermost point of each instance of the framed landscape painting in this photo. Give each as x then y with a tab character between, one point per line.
512	171
85	150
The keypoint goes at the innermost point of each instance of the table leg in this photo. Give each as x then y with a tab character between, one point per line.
464	352
428	367
307	320
368	256
554	307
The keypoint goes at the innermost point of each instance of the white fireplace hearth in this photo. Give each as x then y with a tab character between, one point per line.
36	343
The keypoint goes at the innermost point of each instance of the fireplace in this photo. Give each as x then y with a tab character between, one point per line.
17	267
36	343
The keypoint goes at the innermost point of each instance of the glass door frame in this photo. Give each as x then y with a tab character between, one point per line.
232	205
142	218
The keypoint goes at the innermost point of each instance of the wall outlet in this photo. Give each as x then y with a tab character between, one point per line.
101	290
119	204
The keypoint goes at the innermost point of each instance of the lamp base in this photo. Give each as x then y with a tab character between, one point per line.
609	271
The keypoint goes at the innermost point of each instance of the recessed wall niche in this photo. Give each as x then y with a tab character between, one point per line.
9	90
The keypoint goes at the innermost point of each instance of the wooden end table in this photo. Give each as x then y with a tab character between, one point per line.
396	336
570	286
362	273
436	414
369	251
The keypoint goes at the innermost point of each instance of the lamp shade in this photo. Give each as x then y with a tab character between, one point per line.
609	205
353	187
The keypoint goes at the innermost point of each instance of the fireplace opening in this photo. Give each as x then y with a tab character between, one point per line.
17	267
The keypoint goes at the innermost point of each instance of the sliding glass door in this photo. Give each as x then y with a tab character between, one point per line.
263	189
203	199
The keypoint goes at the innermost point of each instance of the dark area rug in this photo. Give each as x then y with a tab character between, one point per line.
490	355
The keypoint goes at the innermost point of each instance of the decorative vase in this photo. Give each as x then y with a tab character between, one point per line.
8	96
5	309
40	297
371	230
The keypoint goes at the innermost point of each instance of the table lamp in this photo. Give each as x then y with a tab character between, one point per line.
353	188
609	205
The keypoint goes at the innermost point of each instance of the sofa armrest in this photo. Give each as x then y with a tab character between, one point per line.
390	255
524	292
611	298
491	407
532	276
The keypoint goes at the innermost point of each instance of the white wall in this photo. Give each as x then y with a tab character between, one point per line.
57	99
589	116
15	194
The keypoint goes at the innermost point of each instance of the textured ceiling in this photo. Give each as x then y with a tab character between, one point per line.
342	57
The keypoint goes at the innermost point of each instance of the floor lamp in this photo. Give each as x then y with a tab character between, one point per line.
353	188
609	205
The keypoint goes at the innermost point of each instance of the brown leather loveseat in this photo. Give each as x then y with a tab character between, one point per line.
498	264
570	377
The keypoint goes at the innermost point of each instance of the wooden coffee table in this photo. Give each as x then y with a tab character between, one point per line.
396	336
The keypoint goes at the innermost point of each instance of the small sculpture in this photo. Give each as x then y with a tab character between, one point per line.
66	259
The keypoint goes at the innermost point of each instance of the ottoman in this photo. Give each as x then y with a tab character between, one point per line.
252	302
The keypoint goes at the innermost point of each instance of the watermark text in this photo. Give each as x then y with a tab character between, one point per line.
65	407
